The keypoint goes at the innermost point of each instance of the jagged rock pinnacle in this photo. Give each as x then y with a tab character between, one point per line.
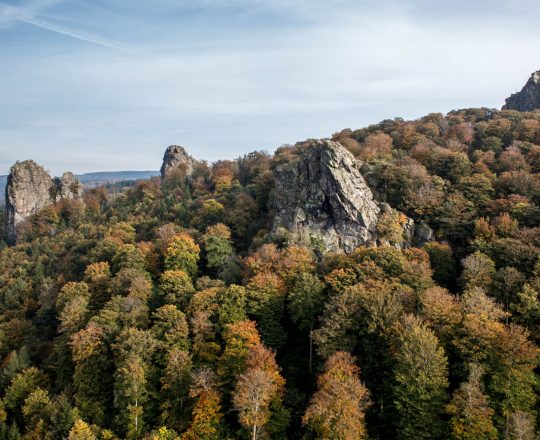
176	157
30	188
322	196
528	99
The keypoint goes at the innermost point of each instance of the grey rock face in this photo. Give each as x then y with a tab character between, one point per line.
423	233
30	188
68	187
528	99
175	157
323	197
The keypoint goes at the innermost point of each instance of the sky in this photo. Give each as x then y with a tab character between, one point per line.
98	85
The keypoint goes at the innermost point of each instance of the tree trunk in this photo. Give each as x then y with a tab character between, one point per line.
310	349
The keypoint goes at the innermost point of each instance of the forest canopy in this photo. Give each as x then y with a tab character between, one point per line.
169	311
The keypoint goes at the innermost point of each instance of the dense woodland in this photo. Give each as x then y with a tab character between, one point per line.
167	312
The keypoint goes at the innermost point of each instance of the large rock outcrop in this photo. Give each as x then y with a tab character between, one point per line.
322	197
175	158
30	188
528	99
68	187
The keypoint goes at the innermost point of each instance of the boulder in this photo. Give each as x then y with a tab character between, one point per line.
528	99
175	158
423	233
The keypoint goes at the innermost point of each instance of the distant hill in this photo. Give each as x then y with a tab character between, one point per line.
93	180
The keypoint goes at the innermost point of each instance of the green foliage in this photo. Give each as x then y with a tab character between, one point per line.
182	254
420	381
22	385
176	287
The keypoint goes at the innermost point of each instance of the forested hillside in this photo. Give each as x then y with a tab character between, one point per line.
172	312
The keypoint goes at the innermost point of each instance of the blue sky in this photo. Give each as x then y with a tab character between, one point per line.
92	85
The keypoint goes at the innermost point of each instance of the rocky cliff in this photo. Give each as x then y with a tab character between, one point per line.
67	187
30	188
322	197
176	158
528	99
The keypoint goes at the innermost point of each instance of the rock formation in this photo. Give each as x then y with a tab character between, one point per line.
30	188
528	99
323	197
68	187
175	157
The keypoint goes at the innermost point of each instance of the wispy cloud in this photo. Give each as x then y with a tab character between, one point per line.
10	13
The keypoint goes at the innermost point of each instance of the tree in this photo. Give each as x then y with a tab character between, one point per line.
390	226
442	311
92	378
206	415
17	361
520	426
133	352
22	385
256	388
170	328
266	303
339	326
336	410
128	256
209	213
442	262
37	412
72	306
81	431
471	415
98	278
182	254
478	271
239	337
420	381
220	254
305	303
175	382
176	287
232	306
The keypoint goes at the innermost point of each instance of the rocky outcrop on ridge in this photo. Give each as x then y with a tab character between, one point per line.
30	188
528	99
68	187
323	197
175	158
